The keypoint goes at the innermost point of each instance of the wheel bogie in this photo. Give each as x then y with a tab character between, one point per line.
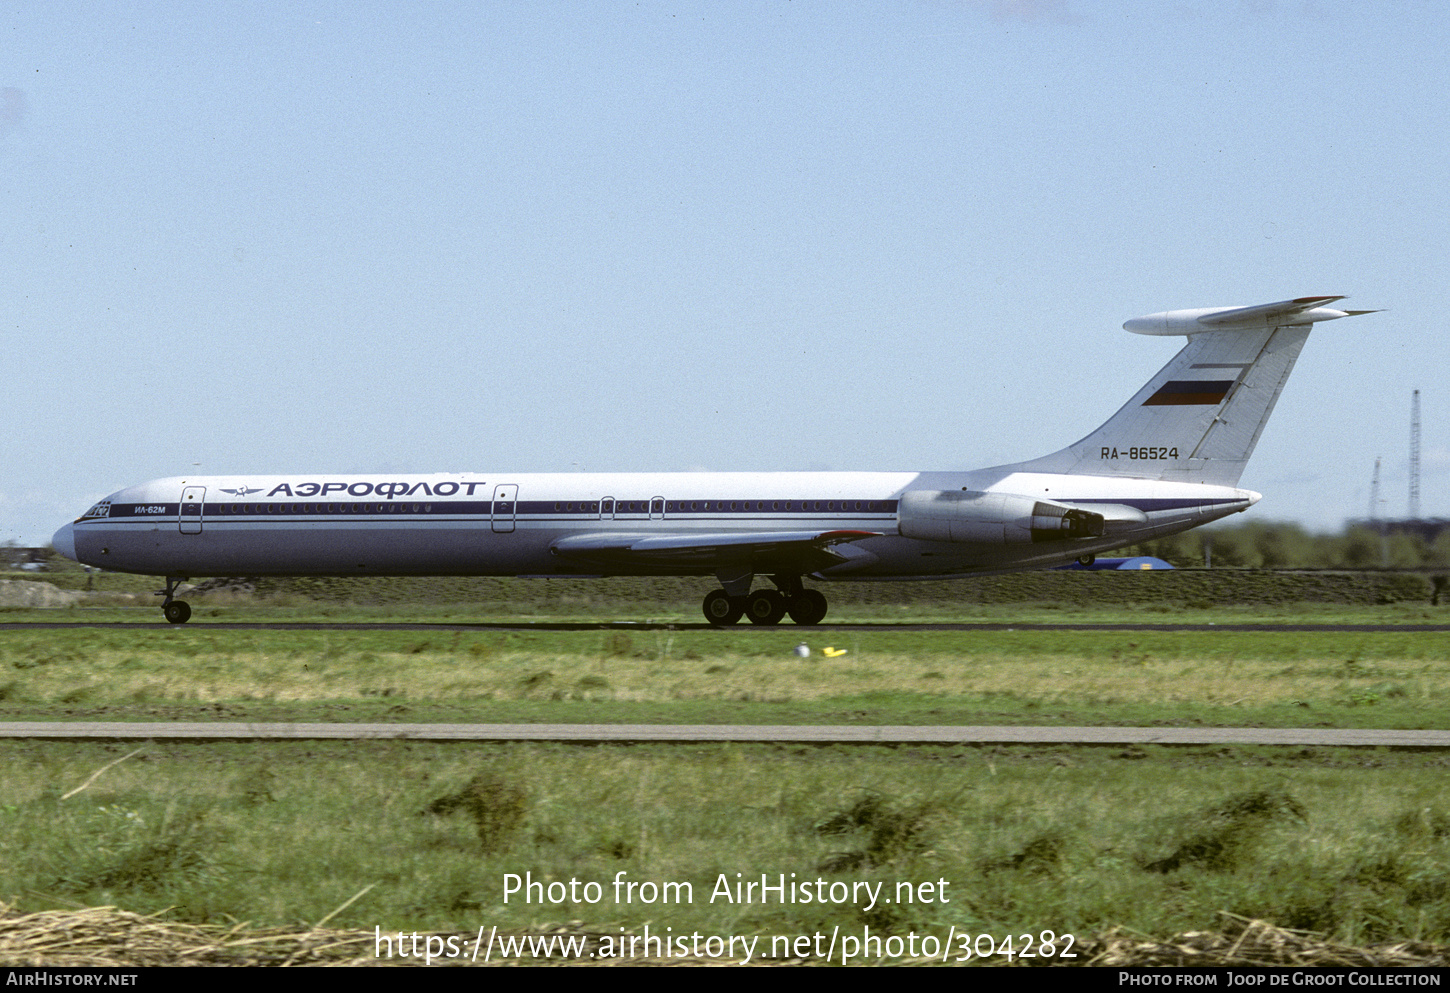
722	609
765	607
807	607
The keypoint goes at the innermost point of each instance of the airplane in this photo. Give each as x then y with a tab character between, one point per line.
1169	460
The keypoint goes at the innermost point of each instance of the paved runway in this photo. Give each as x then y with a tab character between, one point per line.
160	625
819	734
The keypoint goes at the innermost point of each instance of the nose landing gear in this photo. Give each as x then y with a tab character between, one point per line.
175	611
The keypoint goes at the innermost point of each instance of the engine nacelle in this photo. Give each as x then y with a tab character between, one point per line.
978	518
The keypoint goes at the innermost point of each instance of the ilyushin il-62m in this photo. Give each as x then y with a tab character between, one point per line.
1169	460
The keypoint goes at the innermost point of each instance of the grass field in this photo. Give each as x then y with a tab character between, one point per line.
1352	843
1025	839
742	675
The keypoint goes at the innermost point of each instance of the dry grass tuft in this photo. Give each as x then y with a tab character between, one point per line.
105	937
1245	942
108	937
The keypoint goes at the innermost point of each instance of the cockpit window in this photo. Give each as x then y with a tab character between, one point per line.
102	509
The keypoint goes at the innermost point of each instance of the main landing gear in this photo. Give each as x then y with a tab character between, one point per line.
766	606
175	611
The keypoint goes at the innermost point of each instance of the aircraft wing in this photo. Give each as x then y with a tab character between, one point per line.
765	551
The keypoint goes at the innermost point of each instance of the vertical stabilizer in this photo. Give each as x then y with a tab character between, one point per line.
1200	417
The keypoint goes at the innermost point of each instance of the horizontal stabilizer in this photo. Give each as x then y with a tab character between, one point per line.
1284	313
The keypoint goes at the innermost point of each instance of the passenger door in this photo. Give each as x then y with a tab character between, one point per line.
193	500
505	506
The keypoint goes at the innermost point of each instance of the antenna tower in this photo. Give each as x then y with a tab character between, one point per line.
1374	493
1415	456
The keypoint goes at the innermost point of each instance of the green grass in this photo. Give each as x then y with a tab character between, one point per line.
1369	679
1353	844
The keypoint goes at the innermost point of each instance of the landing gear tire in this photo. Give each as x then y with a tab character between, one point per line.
1086	561
807	607
177	611
765	607
722	609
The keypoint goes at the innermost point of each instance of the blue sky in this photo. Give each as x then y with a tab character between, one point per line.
504	237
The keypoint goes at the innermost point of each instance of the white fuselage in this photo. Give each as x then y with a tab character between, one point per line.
542	524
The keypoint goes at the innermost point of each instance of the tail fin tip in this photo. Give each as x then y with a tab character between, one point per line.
1282	313
1199	419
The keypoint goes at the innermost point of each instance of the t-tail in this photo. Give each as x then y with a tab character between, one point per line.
1199	418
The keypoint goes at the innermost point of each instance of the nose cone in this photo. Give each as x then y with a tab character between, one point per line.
64	542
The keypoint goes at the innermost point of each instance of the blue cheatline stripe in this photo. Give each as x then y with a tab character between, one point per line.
1148	506
559	509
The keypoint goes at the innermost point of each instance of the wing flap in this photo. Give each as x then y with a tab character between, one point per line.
803	551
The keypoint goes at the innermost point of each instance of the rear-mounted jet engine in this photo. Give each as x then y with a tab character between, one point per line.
977	518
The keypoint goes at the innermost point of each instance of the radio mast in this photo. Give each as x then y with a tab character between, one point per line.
1415	456
1374	493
